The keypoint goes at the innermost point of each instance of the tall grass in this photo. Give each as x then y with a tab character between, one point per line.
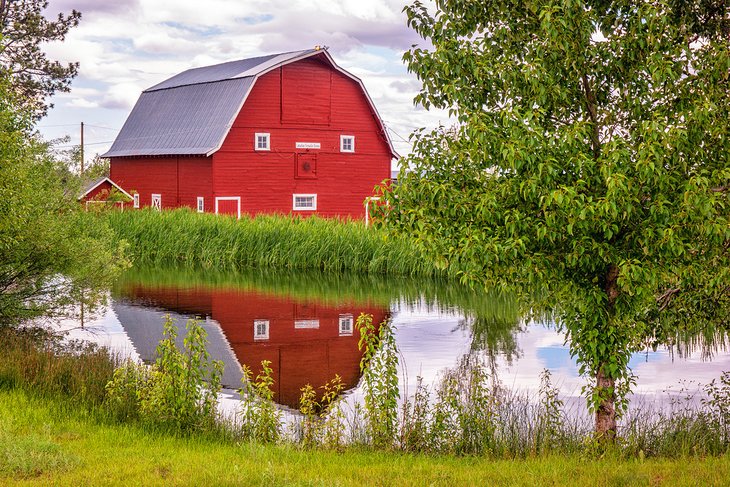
182	237
37	360
468	412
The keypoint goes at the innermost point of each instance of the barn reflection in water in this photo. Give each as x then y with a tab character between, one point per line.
306	341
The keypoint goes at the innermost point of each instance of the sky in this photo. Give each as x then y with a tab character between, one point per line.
126	46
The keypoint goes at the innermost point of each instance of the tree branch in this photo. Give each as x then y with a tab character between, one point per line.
592	105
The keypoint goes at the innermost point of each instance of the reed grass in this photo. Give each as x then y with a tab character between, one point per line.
182	237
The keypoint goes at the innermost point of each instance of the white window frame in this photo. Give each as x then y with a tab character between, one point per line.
264	335
228	198
304	208
306	324
266	136
135	200
346	320
368	200
344	138
157	197
201	204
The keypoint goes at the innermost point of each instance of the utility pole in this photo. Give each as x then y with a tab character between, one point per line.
82	149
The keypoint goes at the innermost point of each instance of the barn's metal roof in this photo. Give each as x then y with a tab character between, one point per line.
144	327
192	112
189	119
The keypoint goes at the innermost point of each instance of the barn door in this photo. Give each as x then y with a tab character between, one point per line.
306	165
228	205
157	202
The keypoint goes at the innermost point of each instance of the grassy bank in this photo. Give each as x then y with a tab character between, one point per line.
47	442
182	237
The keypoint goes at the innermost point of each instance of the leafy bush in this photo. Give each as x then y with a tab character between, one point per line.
180	391
379	366
260	418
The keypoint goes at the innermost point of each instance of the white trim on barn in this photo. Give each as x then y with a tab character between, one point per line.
98	183
367	208
304	202
157	201
262	141
228	198
347	143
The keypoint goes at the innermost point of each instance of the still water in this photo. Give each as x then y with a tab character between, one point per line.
304	324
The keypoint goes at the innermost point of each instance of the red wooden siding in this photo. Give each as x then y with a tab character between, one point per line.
306	93
266	180
179	180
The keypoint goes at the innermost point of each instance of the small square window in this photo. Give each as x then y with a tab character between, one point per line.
262	141
201	204
345	325
135	199
260	329
306	202
347	143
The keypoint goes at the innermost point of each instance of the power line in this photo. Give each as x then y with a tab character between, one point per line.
102	127
86	144
57	125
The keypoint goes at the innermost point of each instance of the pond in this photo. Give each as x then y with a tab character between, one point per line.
304	324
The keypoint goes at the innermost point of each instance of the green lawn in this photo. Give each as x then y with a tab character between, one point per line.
45	443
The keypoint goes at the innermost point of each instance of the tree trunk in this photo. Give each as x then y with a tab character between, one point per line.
606	411
605	384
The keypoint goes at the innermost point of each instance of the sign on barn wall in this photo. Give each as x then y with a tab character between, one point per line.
308	145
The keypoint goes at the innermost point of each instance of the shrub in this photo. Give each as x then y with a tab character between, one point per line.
180	391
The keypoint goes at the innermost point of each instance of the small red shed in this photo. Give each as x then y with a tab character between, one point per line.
100	190
284	133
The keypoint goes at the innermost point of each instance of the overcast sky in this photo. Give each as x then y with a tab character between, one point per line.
126	46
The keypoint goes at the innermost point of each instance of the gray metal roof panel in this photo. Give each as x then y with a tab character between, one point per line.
226	71
144	327
189	119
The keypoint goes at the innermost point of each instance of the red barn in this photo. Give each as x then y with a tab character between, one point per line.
306	341
285	133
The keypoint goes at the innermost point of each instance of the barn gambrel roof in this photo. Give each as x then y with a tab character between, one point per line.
192	112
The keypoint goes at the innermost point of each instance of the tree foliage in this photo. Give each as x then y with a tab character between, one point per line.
588	168
24	30
52	254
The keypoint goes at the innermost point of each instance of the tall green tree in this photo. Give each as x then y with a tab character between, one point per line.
588	166
24	31
52	254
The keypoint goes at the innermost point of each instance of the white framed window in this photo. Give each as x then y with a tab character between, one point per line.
306	324
135	200
306	202
347	143
201	204
260	329
262	141
157	201
345	325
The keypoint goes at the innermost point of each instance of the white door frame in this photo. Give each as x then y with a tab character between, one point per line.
228	198
158	199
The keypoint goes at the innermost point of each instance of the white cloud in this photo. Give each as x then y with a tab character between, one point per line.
82	103
127	46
